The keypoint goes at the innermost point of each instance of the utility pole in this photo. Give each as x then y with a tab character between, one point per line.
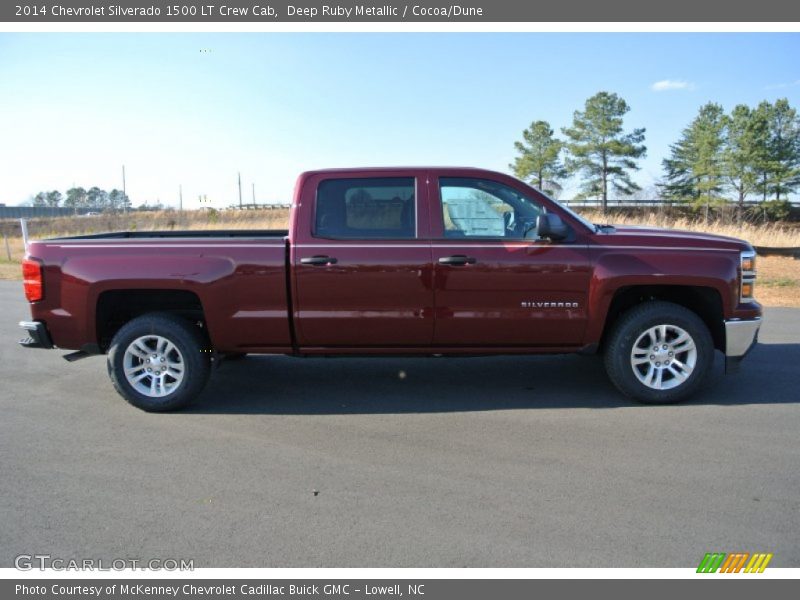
254	195
180	198
124	193
240	191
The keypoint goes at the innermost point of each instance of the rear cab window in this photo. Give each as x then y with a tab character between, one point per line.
366	208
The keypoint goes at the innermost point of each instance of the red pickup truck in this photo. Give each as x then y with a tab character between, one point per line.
397	261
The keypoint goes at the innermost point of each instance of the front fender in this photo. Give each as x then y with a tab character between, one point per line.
616	270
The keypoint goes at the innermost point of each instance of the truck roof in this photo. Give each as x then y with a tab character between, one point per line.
340	170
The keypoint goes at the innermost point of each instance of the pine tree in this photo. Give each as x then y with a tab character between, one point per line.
76	198
53	198
539	157
695	169
118	200
745	151
783	150
599	149
96	198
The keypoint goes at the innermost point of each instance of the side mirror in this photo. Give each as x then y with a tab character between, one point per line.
551	226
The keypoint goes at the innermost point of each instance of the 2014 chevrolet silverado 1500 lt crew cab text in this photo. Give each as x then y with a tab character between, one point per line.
397	261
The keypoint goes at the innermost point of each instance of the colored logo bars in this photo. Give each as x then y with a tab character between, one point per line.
714	562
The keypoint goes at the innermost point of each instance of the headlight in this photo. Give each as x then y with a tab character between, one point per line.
747	278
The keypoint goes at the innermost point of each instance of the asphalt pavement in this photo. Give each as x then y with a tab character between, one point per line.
469	462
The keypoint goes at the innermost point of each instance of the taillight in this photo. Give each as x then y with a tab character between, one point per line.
32	280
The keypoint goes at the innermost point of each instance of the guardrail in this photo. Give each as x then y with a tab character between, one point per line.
772	251
32	212
658	203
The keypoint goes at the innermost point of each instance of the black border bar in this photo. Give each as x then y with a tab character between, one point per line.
343	11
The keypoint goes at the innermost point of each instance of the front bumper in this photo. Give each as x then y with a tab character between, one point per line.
38	336
740	337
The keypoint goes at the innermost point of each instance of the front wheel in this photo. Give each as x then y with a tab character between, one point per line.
158	362
659	353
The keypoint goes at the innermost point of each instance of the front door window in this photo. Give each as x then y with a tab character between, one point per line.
481	208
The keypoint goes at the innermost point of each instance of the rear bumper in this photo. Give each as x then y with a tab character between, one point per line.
740	337
38	336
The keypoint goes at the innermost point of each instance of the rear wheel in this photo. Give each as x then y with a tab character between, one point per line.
158	362
659	353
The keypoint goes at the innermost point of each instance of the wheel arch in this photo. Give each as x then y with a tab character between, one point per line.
117	307
705	302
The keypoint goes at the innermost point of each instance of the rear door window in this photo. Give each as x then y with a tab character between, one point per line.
366	208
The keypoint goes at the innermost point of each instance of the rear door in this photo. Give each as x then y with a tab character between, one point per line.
493	285
362	268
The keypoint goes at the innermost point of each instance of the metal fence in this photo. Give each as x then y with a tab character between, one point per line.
266	206
592	203
30	212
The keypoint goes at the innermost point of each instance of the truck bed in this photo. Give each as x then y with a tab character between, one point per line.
237	277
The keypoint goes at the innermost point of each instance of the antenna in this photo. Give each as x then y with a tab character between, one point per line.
23	223
240	190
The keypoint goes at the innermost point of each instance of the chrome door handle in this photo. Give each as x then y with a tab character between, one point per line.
318	260
457	260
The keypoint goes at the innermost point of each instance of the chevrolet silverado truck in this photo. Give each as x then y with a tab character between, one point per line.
397	261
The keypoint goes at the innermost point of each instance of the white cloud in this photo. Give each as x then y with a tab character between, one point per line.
780	86
671	84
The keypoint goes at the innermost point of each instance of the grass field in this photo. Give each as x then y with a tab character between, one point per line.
778	278
766	234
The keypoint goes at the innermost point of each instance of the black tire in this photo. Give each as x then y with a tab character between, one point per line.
193	351
635	323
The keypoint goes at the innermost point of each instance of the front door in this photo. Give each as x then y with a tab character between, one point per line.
495	282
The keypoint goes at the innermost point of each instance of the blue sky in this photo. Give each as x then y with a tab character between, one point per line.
193	109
